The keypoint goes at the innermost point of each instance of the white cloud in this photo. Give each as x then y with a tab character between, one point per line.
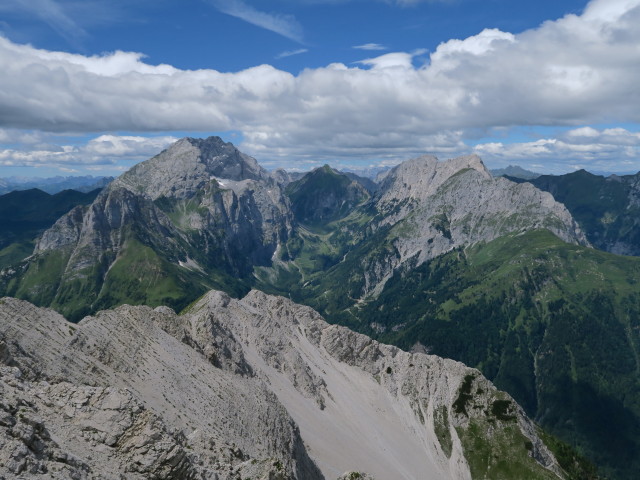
578	70
110	151
390	60
285	25
370	46
290	53
611	149
15	136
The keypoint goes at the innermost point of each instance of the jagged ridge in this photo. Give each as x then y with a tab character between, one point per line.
215	387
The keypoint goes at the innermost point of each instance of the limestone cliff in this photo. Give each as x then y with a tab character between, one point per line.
198	215
432	207
252	388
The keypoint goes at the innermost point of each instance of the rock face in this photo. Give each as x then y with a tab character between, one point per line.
187	166
432	207
199	213
123	397
126	437
324	195
201	185
100	230
252	388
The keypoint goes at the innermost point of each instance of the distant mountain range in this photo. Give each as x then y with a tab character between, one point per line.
53	185
516	172
440	257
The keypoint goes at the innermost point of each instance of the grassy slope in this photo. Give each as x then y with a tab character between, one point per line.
138	276
145	271
600	205
555	325
493	444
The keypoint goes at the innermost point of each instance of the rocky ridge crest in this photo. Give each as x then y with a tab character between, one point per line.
199	212
432	207
187	166
259	387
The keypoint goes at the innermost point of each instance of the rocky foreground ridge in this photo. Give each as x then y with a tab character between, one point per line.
252	388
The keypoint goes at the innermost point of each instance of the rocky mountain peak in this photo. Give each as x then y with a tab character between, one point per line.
188	166
324	194
224	160
434	207
420	177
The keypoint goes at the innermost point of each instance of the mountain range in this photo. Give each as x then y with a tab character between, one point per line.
53	185
435	257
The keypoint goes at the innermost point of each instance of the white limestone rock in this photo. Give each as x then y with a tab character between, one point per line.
433	207
259	387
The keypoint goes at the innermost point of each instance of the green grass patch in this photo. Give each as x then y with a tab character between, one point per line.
15	252
499	453
441	428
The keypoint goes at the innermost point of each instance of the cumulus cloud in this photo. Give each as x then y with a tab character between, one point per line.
112	151
578	70
611	149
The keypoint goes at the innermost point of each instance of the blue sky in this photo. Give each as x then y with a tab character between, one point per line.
95	86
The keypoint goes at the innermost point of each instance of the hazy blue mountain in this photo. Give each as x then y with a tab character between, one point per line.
515	171
53	185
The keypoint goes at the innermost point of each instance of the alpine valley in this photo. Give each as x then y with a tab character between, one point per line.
440	259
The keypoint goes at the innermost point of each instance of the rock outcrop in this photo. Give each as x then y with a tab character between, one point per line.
252	388
324	195
199	213
432	207
123	397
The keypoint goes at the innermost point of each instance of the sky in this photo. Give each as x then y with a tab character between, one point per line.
95	86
